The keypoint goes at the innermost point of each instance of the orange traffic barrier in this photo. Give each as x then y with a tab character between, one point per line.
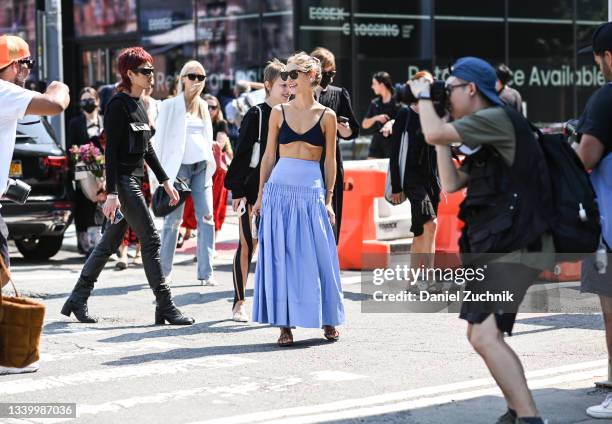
449	230
358	247
564	271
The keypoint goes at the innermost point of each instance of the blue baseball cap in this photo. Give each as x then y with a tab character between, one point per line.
481	73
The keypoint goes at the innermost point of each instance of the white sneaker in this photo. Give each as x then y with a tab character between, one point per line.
30	368
210	282
240	315
601	411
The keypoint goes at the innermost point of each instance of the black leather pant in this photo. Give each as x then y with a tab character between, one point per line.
137	216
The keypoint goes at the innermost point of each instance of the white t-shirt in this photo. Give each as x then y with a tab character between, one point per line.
196	147
14	101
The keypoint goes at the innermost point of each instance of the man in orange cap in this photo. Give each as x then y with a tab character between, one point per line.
16	101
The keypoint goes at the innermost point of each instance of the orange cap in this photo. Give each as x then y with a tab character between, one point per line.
12	48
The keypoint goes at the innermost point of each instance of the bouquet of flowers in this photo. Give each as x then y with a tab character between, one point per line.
88	163
87	158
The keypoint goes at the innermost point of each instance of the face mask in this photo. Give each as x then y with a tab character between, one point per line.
326	79
88	105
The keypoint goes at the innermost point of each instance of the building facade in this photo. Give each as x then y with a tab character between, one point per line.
539	40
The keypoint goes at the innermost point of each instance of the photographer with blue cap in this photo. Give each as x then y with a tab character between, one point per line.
506	213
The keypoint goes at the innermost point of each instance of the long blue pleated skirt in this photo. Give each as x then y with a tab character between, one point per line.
297	279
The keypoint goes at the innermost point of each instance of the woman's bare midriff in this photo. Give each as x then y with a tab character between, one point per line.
301	150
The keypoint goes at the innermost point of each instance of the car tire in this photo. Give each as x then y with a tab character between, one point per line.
40	248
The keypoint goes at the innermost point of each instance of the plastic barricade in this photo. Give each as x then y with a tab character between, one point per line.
358	247
449	230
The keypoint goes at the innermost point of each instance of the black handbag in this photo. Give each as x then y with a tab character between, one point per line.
160	203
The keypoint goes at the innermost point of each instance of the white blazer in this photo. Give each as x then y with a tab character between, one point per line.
170	137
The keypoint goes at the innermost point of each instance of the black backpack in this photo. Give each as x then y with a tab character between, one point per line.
576	228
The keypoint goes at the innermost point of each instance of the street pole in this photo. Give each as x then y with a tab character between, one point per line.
54	67
609	10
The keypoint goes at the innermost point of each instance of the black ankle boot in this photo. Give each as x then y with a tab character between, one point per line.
166	310
77	302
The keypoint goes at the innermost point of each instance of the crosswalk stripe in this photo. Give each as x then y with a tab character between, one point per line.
394	398
243	389
355	413
12	387
105	350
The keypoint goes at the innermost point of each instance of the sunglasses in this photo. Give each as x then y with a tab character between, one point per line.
213	107
329	74
29	63
290	74
450	87
145	71
193	77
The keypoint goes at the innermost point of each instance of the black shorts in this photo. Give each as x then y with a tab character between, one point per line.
499	278
423	205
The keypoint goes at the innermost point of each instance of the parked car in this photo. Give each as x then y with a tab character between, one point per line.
38	226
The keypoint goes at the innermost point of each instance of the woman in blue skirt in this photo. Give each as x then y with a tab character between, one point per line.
297	280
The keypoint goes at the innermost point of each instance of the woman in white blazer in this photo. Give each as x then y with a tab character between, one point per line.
184	144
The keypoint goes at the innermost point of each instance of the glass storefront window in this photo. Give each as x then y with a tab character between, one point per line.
542	58
171	19
594	11
395	37
455	39
477	8
104	17
94	67
18	17
167	31
561	11
277	29
236	38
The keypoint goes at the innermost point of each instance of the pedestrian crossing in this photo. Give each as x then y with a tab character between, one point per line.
111	378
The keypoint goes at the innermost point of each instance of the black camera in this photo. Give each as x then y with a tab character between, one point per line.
17	191
438	93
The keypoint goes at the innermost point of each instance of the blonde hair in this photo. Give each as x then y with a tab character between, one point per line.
219	115
307	63
201	108
272	71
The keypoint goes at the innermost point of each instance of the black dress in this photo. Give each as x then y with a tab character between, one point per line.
338	100
79	133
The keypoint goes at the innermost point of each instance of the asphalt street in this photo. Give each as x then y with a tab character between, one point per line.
386	368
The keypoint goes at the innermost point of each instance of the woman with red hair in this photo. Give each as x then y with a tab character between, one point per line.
128	146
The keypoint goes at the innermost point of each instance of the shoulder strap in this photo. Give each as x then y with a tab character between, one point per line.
321	117
259	134
283	110
408	118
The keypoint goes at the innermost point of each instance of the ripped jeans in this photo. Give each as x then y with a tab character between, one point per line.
202	196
